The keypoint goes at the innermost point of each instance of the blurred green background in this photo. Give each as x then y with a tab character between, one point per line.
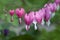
28	5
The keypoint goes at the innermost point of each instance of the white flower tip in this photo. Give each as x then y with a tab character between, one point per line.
57	7
42	23
20	21
48	23
35	27
53	14
27	27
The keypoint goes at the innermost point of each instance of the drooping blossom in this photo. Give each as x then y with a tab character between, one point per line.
28	20
47	16
11	12
20	13
32	14
42	14
49	12
52	7
57	3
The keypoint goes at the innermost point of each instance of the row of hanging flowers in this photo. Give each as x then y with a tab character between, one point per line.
35	17
45	13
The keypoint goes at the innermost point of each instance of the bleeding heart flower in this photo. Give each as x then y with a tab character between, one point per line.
28	21
32	15
42	14
20	13
52	7
38	17
49	12
57	1
11	14
47	15
55	7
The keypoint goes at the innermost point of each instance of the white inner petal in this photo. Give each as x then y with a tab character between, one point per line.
35	26
19	19
53	14
48	23
42	23
57	7
27	27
